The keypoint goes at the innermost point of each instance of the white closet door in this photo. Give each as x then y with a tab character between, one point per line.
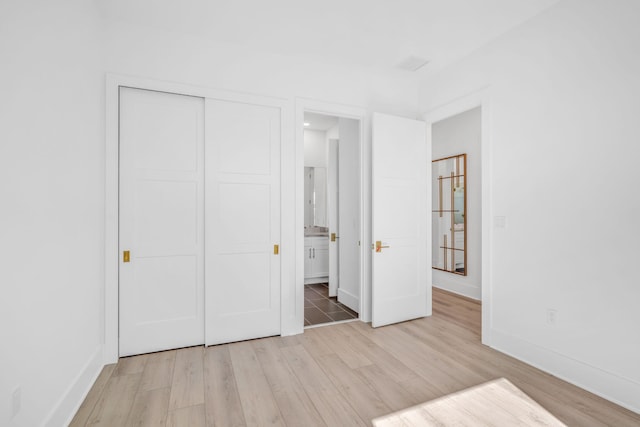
243	221
401	288
161	221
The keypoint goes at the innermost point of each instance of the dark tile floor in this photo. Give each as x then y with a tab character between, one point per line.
320	308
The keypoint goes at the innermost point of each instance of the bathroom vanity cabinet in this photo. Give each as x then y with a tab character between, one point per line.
316	259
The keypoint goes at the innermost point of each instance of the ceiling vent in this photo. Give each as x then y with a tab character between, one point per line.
412	63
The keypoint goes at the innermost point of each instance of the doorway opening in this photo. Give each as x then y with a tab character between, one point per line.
332	216
457	221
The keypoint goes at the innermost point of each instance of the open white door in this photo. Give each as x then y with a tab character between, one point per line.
161	274
401	266
349	213
242	209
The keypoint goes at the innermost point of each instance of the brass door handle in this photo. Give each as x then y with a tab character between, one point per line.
379	246
334	237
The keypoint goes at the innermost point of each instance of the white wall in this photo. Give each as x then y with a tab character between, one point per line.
52	207
333	132
565	100
177	57
457	135
315	148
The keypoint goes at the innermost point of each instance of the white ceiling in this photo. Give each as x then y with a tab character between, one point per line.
319	121
371	33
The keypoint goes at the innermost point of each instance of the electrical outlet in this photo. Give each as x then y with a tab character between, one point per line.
16	401
552	316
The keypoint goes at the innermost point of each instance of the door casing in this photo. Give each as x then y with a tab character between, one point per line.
303	105
482	99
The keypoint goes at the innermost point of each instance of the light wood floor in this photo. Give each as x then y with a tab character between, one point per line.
339	375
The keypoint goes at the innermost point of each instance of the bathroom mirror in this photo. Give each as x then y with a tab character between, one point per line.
315	197
449	217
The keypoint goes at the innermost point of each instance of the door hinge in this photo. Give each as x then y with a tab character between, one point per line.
276	249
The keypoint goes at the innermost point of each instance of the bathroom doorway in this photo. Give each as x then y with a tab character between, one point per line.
331	219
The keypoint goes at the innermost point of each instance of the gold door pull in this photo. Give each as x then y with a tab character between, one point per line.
126	256
379	246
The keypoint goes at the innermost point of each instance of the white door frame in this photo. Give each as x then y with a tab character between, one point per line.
111	294
303	105
480	99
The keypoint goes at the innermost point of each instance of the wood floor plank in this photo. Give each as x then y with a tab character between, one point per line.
394	394
311	339
296	407
395	368
332	407
258	403
483	359
416	359
458	310
567	414
149	408
355	389
288	340
82	416
416	388
335	375
130	365
338	339
443	358
191	416
496	403
158	371
187	386
113	407
223	407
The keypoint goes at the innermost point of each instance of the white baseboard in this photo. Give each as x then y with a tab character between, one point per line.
313	280
64	410
619	390
349	300
460	289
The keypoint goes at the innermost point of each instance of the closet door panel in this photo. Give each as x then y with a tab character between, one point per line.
161	284
242	210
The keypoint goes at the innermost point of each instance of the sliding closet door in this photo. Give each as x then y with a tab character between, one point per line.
242	210
161	275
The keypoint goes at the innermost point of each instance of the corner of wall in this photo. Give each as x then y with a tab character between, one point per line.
65	409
